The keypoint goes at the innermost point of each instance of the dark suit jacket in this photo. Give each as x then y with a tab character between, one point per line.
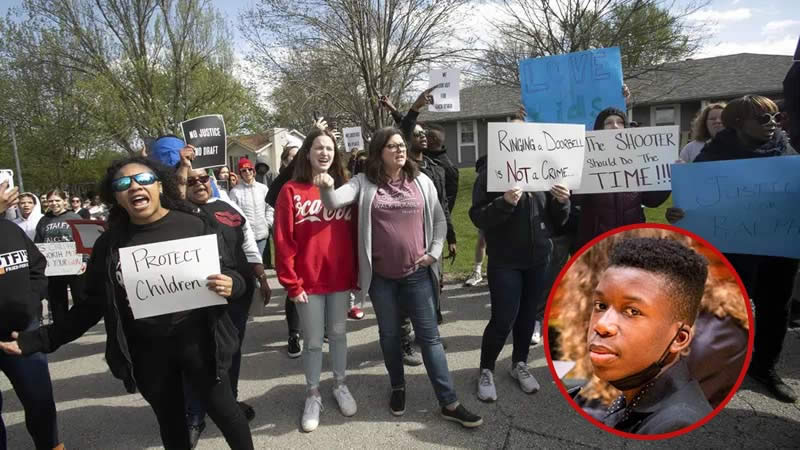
674	401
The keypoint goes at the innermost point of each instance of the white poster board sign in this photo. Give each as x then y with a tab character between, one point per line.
534	156
170	276
62	259
7	175
630	159
353	140
446	97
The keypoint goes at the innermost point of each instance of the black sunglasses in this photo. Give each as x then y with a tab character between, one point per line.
767	117
142	179
191	181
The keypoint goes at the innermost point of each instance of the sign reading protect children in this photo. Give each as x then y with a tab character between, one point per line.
629	160
168	277
534	156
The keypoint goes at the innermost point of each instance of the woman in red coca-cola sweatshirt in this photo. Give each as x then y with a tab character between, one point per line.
316	263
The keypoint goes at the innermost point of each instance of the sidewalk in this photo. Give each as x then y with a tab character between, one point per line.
96	413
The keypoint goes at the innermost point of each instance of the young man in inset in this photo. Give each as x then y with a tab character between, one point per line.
644	306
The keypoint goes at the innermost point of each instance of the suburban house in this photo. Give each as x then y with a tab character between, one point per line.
263	147
671	95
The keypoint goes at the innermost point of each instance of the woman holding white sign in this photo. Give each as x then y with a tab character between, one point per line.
53	228
156	353
401	234
316	263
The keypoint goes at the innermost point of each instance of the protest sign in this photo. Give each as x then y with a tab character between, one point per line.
85	233
7	176
572	88
745	206
207	135
170	276
62	259
534	156
629	159
446	96
353	139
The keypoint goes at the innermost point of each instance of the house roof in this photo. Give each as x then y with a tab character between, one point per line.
479	102
252	142
717	78
720	77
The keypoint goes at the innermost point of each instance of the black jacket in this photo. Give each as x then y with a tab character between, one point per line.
450	173
275	188
516	236
102	303
22	280
674	401
436	174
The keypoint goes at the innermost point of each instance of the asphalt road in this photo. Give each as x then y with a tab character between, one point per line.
94	411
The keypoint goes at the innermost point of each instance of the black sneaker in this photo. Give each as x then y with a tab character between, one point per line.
462	416
294	346
194	433
249	412
774	384
397	403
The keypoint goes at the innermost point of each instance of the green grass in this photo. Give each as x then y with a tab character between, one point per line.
467	234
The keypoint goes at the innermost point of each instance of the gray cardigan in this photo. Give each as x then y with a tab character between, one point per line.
360	189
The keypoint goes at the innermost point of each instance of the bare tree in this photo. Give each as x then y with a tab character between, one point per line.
649	33
377	46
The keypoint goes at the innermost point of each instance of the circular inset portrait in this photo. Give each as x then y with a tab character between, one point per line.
648	331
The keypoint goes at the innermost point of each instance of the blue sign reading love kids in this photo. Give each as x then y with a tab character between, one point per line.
746	206
572	88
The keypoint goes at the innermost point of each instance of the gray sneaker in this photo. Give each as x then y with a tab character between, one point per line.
474	279
311	412
486	389
527	382
410	356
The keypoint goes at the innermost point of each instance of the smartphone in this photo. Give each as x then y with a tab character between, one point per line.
316	115
7	175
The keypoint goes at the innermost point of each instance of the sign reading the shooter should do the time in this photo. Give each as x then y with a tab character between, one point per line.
170	276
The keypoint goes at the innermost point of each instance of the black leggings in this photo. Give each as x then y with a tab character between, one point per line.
160	366
57	298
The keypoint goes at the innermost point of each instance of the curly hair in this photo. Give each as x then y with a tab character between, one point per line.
684	270
170	197
699	128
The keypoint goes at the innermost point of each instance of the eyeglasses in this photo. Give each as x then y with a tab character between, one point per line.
76	201
396	148
142	179
768	117
203	179
247	169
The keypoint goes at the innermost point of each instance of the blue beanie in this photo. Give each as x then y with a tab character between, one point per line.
167	150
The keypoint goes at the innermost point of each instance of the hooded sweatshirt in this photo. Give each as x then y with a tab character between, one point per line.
22	280
29	225
54	228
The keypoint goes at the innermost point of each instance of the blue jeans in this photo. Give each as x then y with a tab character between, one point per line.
411	296
30	378
514	294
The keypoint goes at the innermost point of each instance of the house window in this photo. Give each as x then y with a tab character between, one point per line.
665	115
467	141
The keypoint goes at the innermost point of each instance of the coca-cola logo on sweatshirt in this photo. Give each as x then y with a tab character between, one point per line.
314	211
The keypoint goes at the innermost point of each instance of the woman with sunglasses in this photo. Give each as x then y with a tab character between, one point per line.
155	354
54	228
401	228
239	238
751	131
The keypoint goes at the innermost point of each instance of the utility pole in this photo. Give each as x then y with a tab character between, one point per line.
16	156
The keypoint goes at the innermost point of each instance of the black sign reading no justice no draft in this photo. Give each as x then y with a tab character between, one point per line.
207	135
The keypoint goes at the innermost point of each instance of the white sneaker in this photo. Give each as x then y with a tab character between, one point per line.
486	389
347	404
311	413
537	333
527	382
474	279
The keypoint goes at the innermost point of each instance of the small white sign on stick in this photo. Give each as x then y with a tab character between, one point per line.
630	159
170	276
446	96
534	156
62	258
353	140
